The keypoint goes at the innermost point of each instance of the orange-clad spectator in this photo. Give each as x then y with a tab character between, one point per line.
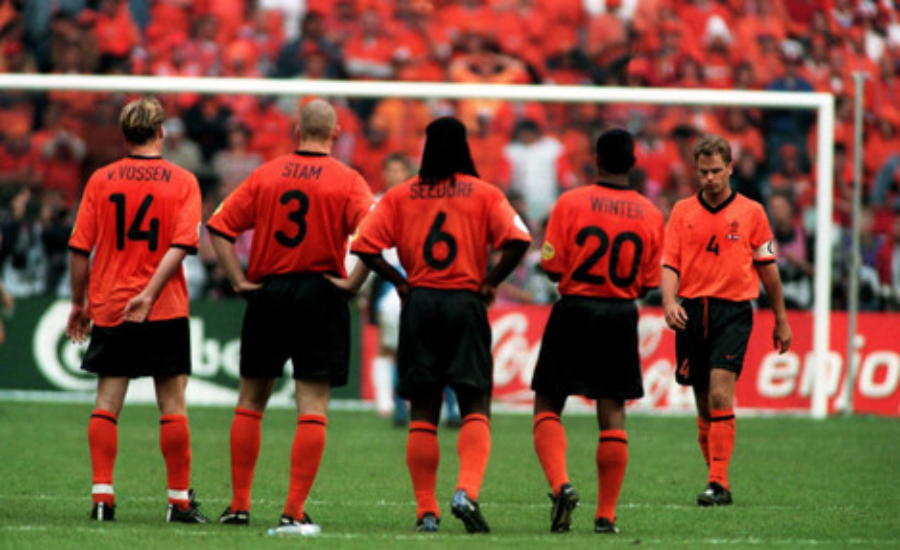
664	69
817	66
264	30
565	19
579	157
792	177
116	33
537	168
294	56
369	153
718	66
883	140
341	21
405	120
423	47
172	58
734	125
465	16
886	88
487	154
510	113
841	15
856	58
653	155
648	16
60	164
368	55
18	158
755	19
696	15
800	14
484	64
766	60
607	37
169	17
745	78
233	165
271	130
203	48
228	13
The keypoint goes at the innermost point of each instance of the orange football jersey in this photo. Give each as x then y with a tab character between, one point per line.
441	232
604	241
713	249
302	208
131	213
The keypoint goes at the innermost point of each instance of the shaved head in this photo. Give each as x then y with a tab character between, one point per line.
317	121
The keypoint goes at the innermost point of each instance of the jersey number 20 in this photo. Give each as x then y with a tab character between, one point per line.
583	272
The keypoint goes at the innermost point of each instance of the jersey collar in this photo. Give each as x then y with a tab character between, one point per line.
145	157
716	209
609	185
309	153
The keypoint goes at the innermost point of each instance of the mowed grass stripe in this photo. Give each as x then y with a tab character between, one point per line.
797	482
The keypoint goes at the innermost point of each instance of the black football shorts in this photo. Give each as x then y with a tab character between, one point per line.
301	317
445	340
152	348
590	348
715	338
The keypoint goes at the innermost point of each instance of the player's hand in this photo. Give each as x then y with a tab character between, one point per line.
244	288
78	324
488	293
402	291
781	336
676	318
7	299
138	309
343	285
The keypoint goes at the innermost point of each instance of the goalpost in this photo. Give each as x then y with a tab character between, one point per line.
822	104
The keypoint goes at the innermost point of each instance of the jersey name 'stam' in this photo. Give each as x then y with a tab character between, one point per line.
604	241
132	212
302	208
714	249
442	232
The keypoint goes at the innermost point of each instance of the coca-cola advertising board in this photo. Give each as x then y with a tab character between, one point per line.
769	383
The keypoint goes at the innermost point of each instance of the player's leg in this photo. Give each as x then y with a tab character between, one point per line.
612	459
245	437
721	436
103	439
550	444
306	453
474	449
701	399
423	456
175	443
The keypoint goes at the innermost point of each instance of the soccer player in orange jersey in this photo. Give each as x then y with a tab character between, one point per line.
442	223
718	248
303	207
139	217
603	245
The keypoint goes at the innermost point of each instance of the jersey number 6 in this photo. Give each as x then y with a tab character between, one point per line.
436	236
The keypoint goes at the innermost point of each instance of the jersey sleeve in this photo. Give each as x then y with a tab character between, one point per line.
84	234
375	233
504	224
652	268
236	213
360	203
672	248
187	234
553	256
761	240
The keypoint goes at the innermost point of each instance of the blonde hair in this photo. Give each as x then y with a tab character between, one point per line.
711	145
141	120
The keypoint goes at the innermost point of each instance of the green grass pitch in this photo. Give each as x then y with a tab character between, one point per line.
797	483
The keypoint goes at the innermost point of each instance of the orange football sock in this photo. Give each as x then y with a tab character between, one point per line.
306	455
103	439
550	445
721	445
703	437
175	443
246	429
422	457
612	458
474	448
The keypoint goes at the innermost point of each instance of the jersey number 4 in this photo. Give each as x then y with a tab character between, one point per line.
583	272
135	233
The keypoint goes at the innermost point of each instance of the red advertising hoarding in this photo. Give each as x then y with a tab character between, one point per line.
769	383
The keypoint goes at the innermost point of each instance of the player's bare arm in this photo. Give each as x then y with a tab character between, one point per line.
228	260
511	254
351	285
79	322
676	318
138	308
379	265
771	280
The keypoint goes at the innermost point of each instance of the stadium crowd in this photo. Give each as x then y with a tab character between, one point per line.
50	142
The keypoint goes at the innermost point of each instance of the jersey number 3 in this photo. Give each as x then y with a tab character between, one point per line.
583	272
297	216
135	233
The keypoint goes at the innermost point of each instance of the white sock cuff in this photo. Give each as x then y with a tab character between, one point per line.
102	489
179	495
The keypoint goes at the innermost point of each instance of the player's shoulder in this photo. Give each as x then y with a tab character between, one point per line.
746	203
686	205
180	173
